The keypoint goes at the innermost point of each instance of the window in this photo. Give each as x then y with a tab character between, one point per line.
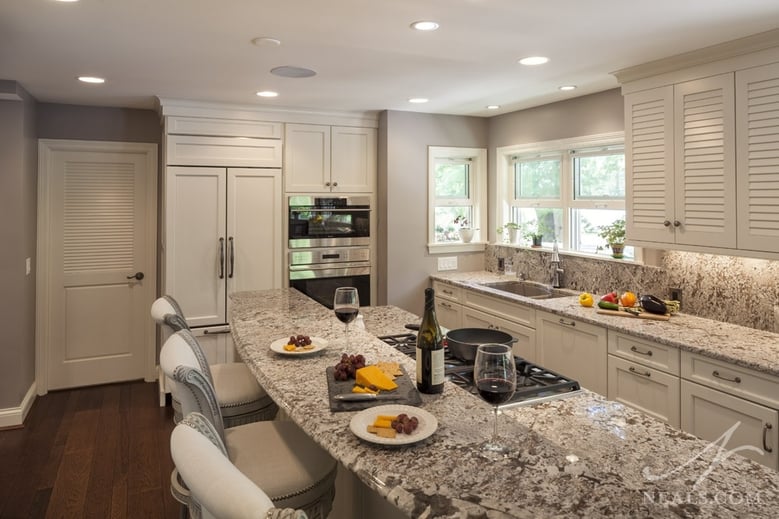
565	191
457	197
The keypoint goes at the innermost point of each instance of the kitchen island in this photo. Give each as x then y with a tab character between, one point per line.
582	456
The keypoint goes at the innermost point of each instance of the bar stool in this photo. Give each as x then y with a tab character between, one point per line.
218	488
276	455
241	397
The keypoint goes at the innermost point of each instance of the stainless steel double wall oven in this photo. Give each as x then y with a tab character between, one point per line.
329	245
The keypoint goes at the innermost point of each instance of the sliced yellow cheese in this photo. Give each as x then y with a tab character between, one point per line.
360	389
384	424
373	377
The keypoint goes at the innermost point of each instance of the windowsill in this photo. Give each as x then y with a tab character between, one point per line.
602	257
449	248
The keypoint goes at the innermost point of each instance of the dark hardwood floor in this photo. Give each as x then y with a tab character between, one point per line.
101	452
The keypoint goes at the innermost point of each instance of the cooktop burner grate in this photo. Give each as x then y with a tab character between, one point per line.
534	383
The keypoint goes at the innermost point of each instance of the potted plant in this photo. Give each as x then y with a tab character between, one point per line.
614	234
533	233
466	233
512	228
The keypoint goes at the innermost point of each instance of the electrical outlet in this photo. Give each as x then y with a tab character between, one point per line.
448	263
676	294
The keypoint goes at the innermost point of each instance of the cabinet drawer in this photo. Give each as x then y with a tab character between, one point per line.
743	382
188	150
516	312
447	291
223	127
649	390
449	314
525	346
651	354
735	424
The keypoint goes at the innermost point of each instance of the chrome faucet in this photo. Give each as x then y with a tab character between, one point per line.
557	272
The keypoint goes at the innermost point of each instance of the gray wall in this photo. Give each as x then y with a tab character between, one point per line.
18	192
22	123
404	264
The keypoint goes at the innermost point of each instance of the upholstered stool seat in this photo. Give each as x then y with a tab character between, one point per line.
240	396
276	455
218	488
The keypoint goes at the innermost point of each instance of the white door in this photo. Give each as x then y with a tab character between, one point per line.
96	263
196	246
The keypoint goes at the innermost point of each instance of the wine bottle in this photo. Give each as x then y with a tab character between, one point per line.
430	349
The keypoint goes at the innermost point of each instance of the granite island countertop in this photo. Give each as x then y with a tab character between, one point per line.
582	456
739	345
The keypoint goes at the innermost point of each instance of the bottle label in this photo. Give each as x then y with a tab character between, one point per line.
437	358
436	367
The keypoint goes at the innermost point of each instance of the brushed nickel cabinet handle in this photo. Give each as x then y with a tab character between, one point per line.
567	323
218	332
766	427
446	305
636	350
232	257
640	373
737	380
221	258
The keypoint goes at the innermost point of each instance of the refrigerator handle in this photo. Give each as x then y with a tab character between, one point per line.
221	258
232	257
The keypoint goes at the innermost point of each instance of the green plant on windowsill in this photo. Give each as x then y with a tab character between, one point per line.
533	232
614	235
512	228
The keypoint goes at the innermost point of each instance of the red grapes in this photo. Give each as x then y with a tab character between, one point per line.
348	366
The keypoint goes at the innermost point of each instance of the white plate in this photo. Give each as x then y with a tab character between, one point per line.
427	424
278	346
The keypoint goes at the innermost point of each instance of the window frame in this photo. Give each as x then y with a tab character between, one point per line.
477	158
567	150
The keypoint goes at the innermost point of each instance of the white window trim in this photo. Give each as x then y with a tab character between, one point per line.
504	156
478	195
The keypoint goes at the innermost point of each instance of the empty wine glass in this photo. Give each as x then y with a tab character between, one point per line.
495	375
346	304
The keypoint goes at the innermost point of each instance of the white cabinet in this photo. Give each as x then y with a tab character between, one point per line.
757	143
644	375
525	346
573	349
223	234
324	159
680	150
448	309
733	405
217	344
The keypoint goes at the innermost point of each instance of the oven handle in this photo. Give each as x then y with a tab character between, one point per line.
311	272
352	209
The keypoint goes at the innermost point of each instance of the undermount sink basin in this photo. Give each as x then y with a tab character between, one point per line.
528	289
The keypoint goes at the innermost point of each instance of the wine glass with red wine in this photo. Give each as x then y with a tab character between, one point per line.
495	376
346	304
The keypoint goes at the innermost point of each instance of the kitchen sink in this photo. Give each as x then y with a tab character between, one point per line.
528	289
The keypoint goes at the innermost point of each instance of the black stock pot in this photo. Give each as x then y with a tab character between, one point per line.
463	342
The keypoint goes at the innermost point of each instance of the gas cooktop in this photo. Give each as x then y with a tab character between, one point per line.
534	383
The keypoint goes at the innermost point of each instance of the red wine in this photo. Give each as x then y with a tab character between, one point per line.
495	391
346	315
430	349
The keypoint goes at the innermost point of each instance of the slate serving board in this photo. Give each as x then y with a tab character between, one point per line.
406	391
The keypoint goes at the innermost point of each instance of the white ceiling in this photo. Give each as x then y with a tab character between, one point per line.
366	56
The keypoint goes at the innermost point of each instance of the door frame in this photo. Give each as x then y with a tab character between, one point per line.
42	265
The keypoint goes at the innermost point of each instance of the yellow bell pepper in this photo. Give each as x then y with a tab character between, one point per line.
585	299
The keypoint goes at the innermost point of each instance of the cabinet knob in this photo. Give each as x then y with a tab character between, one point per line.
327	184
667	223
677	223
335	184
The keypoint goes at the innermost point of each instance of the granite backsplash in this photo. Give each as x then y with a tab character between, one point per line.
741	291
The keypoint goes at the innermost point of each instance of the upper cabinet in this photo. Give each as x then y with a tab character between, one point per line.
329	159
702	151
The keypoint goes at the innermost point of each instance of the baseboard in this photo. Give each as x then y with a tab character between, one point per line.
14	416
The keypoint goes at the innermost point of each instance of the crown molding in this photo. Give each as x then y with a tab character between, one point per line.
191	108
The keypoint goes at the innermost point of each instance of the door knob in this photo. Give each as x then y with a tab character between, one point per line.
137	275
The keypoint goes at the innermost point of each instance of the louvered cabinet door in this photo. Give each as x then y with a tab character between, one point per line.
649	165
757	123
705	162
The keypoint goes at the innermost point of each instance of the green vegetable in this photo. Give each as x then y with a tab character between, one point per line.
608	306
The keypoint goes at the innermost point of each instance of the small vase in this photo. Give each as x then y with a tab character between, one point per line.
617	249
466	235
512	236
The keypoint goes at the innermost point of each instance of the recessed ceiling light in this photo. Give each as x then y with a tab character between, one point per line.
290	71
91	79
267	93
264	41
424	25
568	87
493	107
533	60
418	100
